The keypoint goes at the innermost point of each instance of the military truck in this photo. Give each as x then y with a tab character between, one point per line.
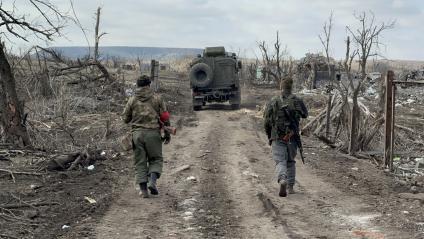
214	77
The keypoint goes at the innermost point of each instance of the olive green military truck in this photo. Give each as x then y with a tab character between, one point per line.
214	77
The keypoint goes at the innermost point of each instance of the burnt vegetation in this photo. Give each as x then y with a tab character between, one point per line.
60	117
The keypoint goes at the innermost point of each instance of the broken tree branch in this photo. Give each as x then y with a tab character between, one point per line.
19	205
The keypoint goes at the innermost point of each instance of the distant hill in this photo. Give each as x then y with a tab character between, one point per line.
129	52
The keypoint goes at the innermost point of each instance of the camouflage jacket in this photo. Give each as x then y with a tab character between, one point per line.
293	103
142	110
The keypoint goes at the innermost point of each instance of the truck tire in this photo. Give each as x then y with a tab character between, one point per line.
200	75
235	101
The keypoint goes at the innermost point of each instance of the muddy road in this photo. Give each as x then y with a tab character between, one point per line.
219	182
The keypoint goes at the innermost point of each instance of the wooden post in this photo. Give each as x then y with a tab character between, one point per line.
152	70
392	133
154	75
389	121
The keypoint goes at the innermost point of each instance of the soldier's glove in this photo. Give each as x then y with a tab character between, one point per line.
167	138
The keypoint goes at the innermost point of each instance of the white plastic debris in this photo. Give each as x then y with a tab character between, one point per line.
129	92
90	200
410	101
191	178
248	173
103	153
371	91
64	227
91	167
188	213
355	169
405	212
188	202
35	186
419	163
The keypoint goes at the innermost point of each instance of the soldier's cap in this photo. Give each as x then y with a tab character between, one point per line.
144	80
287	84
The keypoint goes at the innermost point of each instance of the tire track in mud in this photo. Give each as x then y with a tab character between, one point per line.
235	209
230	191
219	221
318	209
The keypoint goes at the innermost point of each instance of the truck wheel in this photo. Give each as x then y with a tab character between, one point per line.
200	75
197	107
235	106
235	101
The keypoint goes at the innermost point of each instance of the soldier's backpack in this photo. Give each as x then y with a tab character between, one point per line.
282	122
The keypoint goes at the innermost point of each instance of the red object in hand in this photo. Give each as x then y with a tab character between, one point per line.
164	117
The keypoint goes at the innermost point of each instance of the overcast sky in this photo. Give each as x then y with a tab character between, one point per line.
239	24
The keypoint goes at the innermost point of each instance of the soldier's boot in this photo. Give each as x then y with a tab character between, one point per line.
152	184
143	190
290	189
283	188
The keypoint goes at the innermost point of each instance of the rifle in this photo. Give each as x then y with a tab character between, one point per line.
296	135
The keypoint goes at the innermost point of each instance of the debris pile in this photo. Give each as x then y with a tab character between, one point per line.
73	161
312	71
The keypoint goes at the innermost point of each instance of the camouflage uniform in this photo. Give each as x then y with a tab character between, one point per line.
283	152
142	112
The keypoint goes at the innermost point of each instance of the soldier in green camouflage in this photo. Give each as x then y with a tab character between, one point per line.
145	112
279	116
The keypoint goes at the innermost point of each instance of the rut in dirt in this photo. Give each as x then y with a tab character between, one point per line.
235	208
220	219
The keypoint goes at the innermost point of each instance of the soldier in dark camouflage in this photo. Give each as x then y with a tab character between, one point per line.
144	111
279	130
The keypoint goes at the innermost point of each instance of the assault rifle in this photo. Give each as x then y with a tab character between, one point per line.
295	127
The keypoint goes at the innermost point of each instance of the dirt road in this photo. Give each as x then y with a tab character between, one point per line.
230	191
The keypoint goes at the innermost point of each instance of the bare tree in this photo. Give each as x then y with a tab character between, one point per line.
14	25
347	64
276	62
97	35
325	41
366	38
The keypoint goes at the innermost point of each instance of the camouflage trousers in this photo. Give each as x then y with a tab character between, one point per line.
147	146
284	156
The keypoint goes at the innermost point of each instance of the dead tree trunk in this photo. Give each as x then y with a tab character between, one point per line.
327	121
325	40
97	37
354	123
43	76
11	109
